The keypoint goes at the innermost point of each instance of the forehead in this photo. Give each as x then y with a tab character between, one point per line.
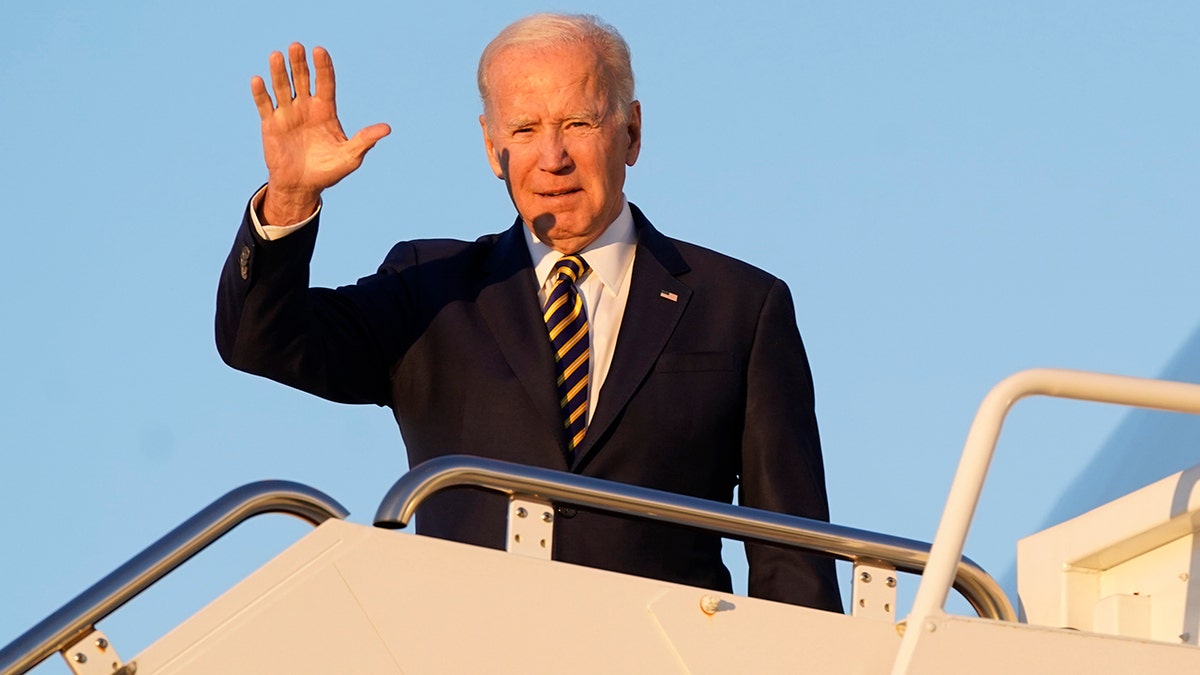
529	77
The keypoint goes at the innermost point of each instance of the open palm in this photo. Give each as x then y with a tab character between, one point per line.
304	145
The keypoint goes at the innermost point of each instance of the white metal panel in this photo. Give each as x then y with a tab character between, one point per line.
294	615
983	647
530	527
1139	545
874	595
751	636
1123	614
350	598
443	607
92	655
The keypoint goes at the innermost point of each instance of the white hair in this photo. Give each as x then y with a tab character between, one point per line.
558	30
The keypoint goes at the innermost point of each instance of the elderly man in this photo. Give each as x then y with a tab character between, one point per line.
579	339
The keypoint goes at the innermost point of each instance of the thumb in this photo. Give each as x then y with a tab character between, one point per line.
366	138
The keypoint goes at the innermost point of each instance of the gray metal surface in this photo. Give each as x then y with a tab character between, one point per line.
78	616
738	522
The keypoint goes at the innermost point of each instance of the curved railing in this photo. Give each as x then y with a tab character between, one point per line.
78	616
845	543
977	457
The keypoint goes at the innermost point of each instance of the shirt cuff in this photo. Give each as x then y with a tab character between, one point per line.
273	232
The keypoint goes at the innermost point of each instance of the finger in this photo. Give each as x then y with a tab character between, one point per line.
299	69
366	139
262	100
326	86
280	83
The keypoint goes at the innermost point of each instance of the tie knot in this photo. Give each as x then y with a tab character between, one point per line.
573	267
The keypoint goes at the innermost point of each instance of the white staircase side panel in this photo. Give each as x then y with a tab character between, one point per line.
958	645
352	598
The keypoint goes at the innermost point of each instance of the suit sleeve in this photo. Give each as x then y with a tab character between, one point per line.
324	341
782	469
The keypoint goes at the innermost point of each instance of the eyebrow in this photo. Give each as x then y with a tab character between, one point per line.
589	116
518	122
586	116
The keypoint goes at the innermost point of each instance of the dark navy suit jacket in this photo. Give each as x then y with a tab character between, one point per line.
709	388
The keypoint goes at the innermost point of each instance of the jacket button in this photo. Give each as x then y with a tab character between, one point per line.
244	262
566	512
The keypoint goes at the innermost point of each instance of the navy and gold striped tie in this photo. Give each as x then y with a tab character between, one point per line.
568	326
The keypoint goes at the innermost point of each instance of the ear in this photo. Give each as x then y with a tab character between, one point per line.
493	158
634	128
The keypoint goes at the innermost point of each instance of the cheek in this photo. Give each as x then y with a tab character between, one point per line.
600	166
615	172
517	169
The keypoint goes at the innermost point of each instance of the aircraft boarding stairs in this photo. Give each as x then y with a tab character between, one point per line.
1110	591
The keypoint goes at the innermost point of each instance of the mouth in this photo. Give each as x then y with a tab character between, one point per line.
559	193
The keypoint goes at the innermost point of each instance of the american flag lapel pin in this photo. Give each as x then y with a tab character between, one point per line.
669	296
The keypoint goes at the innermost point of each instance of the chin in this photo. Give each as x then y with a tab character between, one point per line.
561	230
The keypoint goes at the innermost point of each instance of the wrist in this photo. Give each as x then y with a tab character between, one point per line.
282	207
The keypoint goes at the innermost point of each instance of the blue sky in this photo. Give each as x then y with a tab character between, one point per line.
953	191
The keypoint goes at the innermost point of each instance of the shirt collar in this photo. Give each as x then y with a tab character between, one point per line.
609	257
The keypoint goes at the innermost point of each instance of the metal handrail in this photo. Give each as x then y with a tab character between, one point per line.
977	457
77	617
845	543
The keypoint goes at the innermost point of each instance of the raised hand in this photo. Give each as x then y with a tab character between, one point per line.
303	142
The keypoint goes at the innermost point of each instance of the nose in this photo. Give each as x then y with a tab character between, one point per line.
552	153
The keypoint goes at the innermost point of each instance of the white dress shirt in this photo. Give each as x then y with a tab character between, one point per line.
605	288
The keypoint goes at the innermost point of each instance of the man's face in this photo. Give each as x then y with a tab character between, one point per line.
561	148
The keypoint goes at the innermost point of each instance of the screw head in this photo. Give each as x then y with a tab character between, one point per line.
80	657
864	577
547	516
891	582
102	643
521	512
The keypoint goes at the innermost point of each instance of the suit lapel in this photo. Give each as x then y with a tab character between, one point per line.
508	302
649	320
